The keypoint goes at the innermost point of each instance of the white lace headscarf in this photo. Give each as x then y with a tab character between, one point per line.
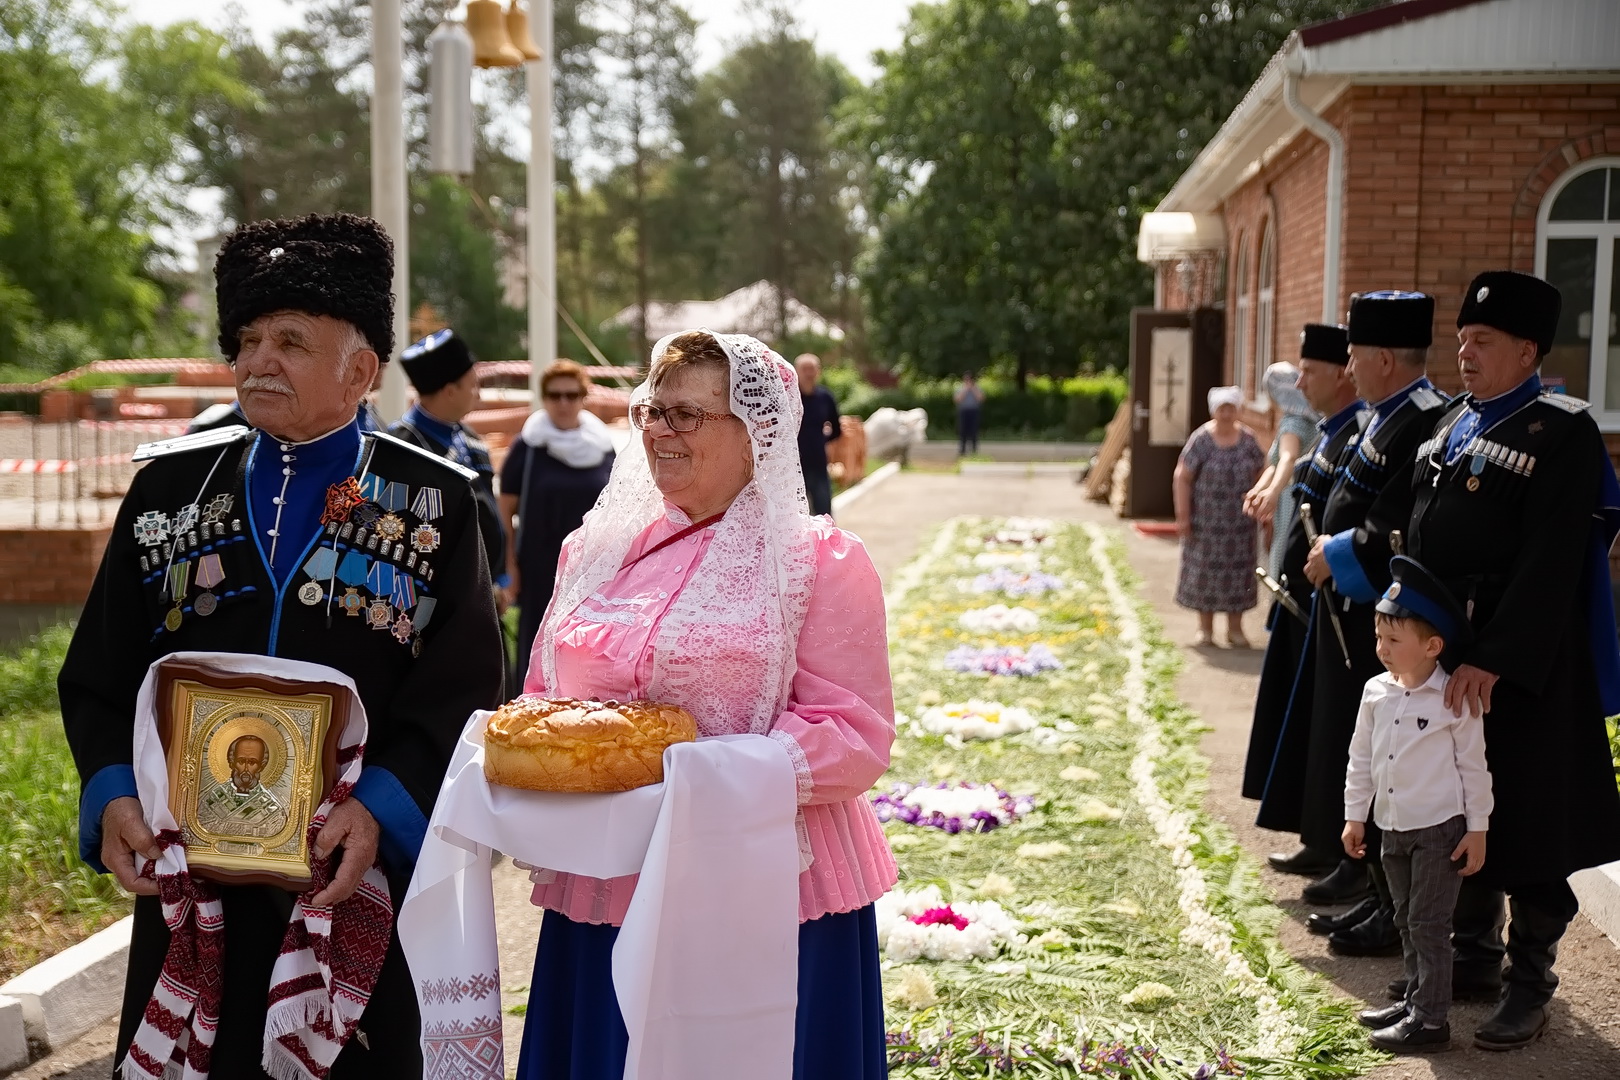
735	627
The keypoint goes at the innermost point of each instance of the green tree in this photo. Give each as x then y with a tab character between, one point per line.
1014	145
93	124
456	259
648	47
761	190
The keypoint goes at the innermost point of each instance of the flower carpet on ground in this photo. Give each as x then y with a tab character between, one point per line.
1064	907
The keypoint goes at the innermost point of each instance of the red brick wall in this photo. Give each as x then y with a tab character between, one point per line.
1290	190
1441	183
49	566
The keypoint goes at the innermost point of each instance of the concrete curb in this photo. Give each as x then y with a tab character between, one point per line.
872	480
1598	890
13	1035
72	992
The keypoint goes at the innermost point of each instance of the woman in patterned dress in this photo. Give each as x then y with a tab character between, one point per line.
1218	465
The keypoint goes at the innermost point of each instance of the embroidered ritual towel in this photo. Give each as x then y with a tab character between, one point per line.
329	957
706	965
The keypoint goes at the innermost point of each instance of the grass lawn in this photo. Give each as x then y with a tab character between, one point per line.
48	898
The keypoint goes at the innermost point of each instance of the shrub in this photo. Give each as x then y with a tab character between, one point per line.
1075	409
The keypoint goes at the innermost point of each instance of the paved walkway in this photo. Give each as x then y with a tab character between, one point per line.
1219	685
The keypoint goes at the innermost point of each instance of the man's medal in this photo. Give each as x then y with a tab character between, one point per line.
210	572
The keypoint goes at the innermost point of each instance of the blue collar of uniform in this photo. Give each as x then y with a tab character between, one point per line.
339	445
1494	409
1398	398
1328	425
440	431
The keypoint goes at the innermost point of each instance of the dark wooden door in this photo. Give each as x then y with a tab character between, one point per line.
1176	356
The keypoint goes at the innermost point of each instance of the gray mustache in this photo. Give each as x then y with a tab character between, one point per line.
266	382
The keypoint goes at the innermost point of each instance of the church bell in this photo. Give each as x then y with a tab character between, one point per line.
492	47
517	28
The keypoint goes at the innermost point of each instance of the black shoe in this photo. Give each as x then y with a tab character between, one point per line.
1320	923
1383	1018
1409	1036
1307	862
1519	1020
1346	885
1373	936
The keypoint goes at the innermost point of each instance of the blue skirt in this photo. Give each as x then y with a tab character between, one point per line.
573	1030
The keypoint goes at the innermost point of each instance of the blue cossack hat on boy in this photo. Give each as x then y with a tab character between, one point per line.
1417	594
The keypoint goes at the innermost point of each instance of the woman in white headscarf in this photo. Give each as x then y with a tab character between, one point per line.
701	579
1218	465
1271	500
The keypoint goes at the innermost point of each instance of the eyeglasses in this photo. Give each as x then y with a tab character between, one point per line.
564	395
681	418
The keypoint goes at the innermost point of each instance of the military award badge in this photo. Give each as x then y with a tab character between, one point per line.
250	758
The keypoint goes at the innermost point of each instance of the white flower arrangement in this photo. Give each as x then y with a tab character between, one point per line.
1027	561
976	719
998	618
964	930
1278	1035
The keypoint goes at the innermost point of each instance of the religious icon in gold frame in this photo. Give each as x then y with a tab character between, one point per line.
250	759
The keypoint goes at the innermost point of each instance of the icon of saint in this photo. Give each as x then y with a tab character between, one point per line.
242	805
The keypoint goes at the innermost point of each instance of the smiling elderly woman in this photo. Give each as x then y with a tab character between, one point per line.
701	579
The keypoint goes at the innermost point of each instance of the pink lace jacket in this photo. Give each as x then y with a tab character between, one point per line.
837	727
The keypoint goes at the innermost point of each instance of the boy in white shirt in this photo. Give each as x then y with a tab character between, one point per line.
1421	772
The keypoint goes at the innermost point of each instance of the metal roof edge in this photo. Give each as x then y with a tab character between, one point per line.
1366	22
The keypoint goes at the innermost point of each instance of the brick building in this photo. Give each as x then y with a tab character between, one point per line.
1411	147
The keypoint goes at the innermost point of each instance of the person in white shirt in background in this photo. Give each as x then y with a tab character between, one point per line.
1420	770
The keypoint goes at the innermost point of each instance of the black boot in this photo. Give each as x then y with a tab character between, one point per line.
1346	885
1476	938
1541	914
1307	862
1375	935
1320	923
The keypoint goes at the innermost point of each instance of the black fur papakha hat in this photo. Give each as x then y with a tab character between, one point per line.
437	361
1392	319
1519	304
1325	342
340	265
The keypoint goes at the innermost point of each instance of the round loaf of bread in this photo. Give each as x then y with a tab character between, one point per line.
564	744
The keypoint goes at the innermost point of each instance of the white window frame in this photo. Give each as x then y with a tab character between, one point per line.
1606	233
1265	331
1243	307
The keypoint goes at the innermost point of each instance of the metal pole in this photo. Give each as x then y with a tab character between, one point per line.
388	194
542	183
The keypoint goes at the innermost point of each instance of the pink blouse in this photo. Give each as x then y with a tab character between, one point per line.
837	727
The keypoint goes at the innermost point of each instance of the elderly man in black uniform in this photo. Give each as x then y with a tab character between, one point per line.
221	545
1516	506
1348	563
1275	768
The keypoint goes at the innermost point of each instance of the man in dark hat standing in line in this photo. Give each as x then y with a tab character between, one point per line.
298	538
1348	563
1516	507
441	367
1275	769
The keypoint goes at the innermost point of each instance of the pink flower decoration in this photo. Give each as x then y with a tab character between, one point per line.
939	916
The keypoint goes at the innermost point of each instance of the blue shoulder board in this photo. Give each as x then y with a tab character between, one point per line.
199	441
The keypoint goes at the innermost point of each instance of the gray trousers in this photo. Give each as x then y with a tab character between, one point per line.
1424	883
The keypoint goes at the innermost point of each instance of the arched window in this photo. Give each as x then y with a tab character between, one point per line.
1265	334
1241	283
1576	228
